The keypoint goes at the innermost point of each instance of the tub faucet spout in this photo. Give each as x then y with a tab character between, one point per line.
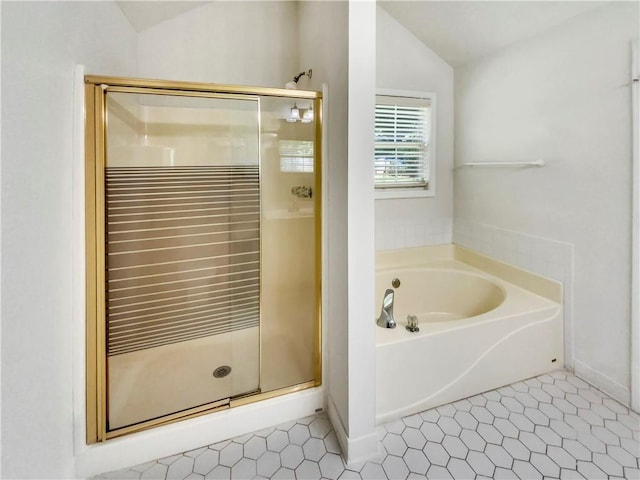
386	319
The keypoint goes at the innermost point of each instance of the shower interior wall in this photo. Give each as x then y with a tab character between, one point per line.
176	49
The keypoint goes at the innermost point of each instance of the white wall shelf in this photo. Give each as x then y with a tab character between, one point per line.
534	163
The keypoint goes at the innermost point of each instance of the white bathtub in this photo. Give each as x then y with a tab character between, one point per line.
479	328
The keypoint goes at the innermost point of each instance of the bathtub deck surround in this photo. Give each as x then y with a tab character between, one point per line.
482	324
554	425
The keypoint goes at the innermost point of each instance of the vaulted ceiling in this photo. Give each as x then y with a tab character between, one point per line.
145	14
458	31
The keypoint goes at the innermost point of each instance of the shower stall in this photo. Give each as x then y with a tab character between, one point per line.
203	249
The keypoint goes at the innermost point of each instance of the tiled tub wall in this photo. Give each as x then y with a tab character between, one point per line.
391	234
549	258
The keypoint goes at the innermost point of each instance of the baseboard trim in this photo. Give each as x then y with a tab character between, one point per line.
601	381
336	422
354	450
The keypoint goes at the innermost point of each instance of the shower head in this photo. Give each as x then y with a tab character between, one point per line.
294	84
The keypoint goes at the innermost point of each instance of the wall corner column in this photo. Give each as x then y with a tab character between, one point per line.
362	441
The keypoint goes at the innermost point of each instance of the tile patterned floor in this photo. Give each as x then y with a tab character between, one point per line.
551	426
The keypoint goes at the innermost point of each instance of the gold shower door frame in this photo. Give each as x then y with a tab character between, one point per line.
96	88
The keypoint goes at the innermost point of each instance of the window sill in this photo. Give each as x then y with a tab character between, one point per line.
390	193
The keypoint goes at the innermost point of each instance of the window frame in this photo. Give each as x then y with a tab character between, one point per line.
381	192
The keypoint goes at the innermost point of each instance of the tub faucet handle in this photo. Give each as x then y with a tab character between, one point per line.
412	323
386	320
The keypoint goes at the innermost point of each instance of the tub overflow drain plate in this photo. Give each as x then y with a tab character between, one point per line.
222	371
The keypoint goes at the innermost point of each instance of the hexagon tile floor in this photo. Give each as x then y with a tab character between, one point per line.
551	426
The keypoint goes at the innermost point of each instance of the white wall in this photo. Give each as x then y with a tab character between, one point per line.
563	96
323	44
41	45
362	443
403	62
241	43
326	45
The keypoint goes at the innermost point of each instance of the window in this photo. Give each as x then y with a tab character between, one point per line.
404	146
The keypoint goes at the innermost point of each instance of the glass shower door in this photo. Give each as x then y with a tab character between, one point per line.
182	252
290	243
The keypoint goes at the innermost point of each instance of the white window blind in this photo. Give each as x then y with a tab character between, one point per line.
402	137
